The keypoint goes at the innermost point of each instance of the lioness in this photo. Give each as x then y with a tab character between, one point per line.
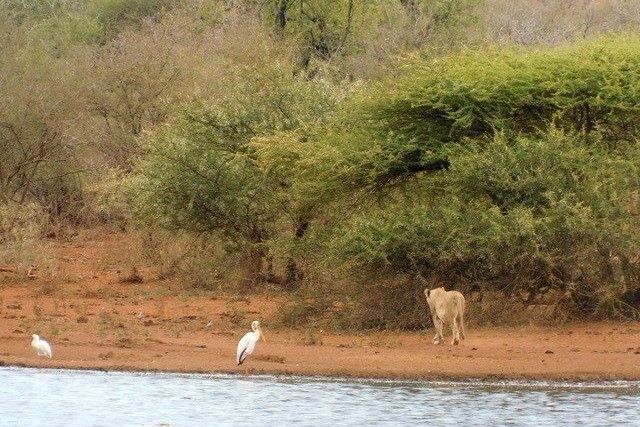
446	307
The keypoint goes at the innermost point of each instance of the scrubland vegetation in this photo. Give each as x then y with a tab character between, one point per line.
347	153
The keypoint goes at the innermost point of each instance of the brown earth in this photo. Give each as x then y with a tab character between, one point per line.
93	320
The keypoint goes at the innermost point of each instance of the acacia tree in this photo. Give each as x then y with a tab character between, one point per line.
408	125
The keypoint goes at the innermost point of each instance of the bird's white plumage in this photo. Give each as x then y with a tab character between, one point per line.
41	346
248	342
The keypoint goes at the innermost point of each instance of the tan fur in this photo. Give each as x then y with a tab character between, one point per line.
446	307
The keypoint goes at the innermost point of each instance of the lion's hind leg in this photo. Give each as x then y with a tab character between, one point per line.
437	339
463	332
455	331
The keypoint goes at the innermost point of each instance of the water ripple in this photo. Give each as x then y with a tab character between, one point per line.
36	397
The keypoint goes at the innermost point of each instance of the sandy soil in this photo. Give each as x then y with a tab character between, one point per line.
95	321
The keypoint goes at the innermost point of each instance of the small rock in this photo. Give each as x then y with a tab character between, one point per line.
548	352
14	306
148	322
201	346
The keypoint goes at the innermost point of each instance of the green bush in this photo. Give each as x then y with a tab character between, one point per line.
408	125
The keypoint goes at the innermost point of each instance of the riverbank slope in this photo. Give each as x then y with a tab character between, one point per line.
94	320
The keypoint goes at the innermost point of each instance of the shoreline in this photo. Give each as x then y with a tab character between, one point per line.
489	380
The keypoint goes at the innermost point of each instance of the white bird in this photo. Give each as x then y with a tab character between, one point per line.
248	342
41	346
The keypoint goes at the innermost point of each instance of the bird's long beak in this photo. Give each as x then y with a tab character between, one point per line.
262	335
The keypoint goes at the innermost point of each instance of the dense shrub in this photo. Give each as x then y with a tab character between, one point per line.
503	171
523	217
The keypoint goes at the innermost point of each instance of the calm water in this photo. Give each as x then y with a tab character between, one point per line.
39	397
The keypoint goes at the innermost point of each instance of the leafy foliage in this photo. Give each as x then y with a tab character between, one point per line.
416	119
201	173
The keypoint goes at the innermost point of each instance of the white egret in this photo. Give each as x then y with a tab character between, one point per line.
41	346
248	342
